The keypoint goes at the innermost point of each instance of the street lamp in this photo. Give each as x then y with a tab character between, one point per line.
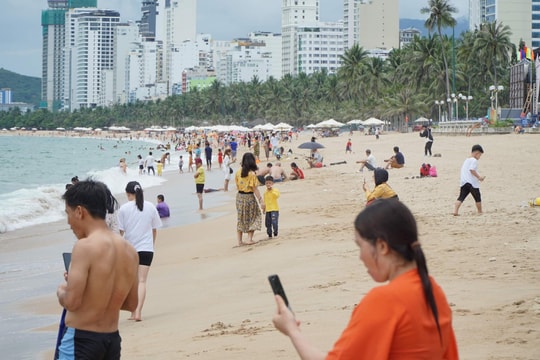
453	99
495	90
466	99
439	103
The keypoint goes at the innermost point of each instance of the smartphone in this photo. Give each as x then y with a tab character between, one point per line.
67	259
277	288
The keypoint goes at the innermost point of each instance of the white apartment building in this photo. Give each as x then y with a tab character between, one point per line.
295	13
522	16
406	36
126	40
53	30
273	48
89	50
351	23
319	46
176	23
243	63
378	24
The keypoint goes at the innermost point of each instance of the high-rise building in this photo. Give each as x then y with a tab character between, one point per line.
126	41
272	48
148	23
178	22
5	96
351	22
89	50
378	24
319	47
522	16
295	13
53	32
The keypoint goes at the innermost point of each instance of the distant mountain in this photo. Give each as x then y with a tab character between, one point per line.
26	89
461	26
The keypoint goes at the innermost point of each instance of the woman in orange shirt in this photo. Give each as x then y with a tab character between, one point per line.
408	318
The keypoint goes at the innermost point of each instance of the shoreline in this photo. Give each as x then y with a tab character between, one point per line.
208	299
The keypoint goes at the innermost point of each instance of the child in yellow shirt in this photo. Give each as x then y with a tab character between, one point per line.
271	196
159	168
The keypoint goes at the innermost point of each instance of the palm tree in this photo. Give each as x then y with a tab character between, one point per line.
440	16
494	46
351	70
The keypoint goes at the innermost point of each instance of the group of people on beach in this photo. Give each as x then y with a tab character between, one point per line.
108	274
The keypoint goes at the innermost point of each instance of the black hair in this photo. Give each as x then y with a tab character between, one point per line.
381	176
112	203
161	197
368	151
248	164
133	187
269	178
89	194
396	148
477	148
293	165
392	222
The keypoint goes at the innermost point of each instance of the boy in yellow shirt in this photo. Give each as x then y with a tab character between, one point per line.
199	180
271	196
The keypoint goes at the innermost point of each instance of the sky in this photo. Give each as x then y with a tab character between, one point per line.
20	23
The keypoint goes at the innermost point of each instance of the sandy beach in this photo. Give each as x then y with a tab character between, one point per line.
210	300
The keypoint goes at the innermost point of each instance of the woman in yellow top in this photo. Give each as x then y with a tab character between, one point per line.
382	190
247	208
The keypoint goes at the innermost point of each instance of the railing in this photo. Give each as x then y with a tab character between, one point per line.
472	127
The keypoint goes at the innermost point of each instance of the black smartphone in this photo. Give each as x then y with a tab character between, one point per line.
67	259
277	288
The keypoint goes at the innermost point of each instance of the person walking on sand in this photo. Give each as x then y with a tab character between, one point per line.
271	207
102	278
406	317
208	155
348	147
249	217
138	221
470	180
227	161
199	181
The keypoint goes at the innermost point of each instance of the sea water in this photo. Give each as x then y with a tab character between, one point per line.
35	170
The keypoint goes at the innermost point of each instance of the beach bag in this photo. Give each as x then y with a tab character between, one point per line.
433	171
424	170
230	170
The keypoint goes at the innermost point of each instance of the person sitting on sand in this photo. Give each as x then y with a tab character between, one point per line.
316	159
277	173
263	172
382	190
396	161
296	172
368	162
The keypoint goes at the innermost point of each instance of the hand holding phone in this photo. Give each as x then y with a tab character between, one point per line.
277	288
67	260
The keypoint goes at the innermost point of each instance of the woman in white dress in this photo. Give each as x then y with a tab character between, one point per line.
227	168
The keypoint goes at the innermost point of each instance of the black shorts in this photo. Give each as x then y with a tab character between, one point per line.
200	188
145	257
83	344
469	189
141	167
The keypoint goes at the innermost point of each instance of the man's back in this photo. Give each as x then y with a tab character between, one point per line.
102	280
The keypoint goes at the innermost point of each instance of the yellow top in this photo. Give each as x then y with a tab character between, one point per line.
382	191
200	179
270	199
248	183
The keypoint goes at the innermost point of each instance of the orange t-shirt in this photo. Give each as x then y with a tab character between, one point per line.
394	322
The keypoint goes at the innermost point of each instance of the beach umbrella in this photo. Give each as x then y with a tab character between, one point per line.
355	122
310	145
421	119
373	121
330	123
282	127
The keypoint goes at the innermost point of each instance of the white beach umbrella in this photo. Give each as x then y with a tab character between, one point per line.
373	121
282	127
421	119
331	123
355	122
268	127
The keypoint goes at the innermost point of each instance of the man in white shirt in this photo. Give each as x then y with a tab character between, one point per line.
368	162
470	180
149	163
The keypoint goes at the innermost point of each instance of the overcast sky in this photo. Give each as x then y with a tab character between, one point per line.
20	23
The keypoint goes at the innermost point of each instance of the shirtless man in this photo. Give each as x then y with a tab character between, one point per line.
263	172
102	278
277	172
